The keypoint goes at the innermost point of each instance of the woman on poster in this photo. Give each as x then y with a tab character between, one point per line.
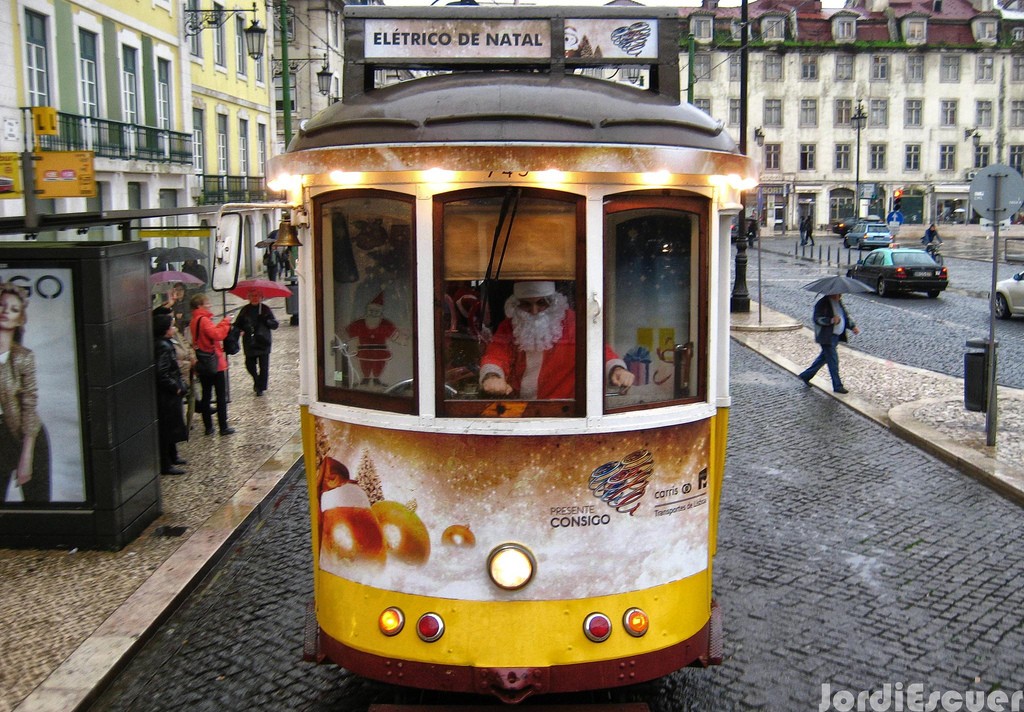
24	447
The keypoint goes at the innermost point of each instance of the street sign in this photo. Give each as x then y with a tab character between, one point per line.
64	174
997	192
895	216
44	120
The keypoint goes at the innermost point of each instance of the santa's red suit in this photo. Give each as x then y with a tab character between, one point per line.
373	353
552	373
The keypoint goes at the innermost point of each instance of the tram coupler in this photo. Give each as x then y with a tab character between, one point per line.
716	647
311	651
511	685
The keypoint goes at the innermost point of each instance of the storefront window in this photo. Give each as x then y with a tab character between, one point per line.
366	277
654	313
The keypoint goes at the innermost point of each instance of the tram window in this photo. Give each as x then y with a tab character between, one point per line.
653	311
509	257
366	316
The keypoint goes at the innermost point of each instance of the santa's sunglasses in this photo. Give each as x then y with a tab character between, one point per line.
534	304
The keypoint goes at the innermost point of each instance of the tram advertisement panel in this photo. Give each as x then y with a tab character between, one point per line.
419	512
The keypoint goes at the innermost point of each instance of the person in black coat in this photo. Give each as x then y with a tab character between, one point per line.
831	322
256	321
170	389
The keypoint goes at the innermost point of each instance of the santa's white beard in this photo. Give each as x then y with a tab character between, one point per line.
540	331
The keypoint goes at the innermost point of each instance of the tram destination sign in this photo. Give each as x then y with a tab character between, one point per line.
447	38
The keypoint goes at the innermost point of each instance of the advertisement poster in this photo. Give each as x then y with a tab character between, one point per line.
420	512
39	388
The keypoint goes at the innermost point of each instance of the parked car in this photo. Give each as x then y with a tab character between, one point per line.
901	269
1010	296
868	234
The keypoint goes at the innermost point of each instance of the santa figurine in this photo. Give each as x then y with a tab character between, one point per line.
533	352
372	334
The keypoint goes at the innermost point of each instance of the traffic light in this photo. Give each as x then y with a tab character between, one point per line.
897	196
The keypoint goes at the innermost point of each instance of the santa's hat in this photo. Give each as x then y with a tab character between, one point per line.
379	299
529	290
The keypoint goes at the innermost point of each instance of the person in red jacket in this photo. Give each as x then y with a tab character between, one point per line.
207	336
533	353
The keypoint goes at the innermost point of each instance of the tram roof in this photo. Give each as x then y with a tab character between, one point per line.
514	107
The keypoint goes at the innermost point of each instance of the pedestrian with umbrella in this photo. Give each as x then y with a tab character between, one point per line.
831	322
269	256
256	321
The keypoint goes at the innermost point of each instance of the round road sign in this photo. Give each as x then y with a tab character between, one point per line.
997	192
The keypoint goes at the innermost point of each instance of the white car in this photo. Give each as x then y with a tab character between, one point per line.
1010	296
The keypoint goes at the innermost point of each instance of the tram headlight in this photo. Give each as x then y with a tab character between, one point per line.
511	566
391	621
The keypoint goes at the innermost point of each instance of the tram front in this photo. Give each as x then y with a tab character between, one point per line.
515	357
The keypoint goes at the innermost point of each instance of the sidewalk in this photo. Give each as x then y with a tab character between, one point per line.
71	619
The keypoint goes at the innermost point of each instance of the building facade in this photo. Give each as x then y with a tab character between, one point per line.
164	95
893	98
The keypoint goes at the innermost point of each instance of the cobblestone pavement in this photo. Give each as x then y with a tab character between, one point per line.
852	561
72	617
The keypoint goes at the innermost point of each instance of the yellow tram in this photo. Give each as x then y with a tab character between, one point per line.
514	301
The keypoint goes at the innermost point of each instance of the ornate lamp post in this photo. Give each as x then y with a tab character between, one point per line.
858	121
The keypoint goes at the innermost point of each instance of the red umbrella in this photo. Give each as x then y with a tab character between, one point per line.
265	287
168	276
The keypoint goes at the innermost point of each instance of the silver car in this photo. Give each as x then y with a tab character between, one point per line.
868	235
1010	296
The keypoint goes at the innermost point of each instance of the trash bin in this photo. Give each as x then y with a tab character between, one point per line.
976	365
291	303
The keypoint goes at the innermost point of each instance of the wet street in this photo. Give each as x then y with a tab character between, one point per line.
847	558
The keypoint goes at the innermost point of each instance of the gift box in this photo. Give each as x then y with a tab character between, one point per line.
638	361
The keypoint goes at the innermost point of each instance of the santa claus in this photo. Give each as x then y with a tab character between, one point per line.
372	334
533	353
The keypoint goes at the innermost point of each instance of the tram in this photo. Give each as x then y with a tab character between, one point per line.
513	282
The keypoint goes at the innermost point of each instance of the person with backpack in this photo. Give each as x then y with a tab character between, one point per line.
211	362
270	262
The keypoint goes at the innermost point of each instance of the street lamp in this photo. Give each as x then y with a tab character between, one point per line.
197	20
858	121
323	77
759	136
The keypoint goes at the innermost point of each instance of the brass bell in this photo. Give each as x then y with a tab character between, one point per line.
287	235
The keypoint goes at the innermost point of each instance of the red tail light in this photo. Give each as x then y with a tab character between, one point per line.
597	627
429	627
900	273
943	274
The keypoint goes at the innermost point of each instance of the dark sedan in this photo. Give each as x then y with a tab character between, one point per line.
901	269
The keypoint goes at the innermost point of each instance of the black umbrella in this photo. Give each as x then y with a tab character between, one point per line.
268	240
177	254
837	284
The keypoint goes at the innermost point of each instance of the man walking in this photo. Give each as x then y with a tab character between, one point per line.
831	321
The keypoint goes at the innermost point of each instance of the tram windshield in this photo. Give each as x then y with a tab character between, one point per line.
509	301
